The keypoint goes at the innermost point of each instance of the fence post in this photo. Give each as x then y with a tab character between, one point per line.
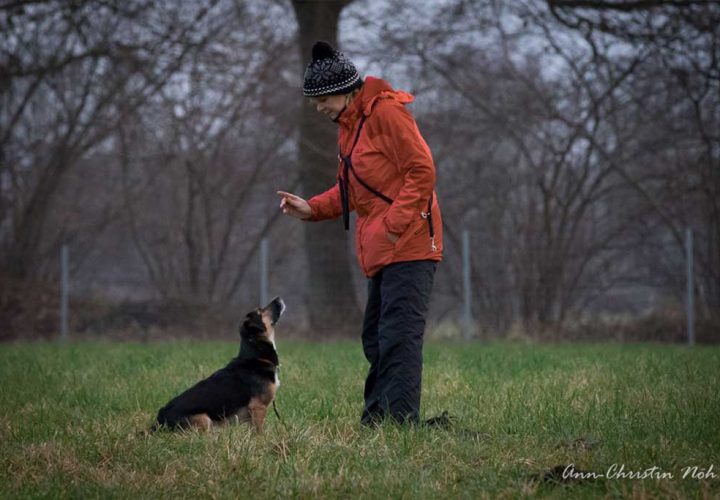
64	292
467	310
690	302
264	271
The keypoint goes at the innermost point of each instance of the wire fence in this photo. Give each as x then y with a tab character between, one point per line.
457	310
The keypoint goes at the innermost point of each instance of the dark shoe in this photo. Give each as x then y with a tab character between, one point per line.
372	420
442	421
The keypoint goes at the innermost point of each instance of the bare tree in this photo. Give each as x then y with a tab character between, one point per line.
576	140
547	142
225	135
331	296
66	66
678	172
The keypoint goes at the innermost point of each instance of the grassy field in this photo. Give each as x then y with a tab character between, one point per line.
72	416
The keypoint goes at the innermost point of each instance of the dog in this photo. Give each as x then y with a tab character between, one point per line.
240	392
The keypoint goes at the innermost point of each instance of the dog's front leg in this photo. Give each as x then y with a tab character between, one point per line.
201	421
258	410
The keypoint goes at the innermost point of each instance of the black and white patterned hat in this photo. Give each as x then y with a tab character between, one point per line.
329	73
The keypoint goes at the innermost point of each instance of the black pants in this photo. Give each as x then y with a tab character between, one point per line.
392	340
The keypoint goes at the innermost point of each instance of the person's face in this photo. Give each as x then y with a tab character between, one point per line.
330	105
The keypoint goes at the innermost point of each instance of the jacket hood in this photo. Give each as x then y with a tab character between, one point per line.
373	90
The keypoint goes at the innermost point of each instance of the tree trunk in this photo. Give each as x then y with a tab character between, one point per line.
331	296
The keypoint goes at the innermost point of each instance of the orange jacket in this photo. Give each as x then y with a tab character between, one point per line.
391	157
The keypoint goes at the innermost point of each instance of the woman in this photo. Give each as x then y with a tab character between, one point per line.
387	175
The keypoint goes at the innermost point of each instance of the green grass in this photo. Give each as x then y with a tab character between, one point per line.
72	416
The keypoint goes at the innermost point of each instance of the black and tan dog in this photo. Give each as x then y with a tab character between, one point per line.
243	390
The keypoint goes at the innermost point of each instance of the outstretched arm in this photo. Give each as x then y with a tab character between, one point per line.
321	207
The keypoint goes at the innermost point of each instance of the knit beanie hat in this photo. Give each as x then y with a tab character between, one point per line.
329	73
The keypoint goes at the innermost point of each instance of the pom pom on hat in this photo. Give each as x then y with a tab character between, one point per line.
322	50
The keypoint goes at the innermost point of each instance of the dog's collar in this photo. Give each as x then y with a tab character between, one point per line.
268	362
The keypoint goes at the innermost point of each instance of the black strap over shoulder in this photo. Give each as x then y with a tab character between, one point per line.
357	135
343	181
345	192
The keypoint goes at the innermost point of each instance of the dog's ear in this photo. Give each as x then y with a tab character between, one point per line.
253	325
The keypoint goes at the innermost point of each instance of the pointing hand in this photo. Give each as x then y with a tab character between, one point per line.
294	205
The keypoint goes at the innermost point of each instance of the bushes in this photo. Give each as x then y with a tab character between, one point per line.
28	309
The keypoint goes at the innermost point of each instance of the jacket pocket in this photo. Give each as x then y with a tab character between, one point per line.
417	227
376	247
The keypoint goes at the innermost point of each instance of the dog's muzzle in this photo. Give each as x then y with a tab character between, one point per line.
276	308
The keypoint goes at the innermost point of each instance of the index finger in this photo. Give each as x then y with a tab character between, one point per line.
288	195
